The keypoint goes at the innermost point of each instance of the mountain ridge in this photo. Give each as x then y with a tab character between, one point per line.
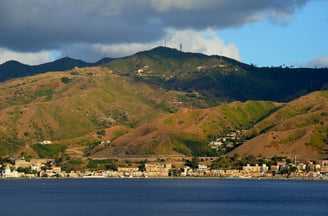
163	101
220	77
15	69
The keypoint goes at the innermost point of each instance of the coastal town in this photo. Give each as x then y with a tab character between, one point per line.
223	167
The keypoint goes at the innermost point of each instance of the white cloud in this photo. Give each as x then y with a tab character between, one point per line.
319	61
206	42
35	25
31	58
167	5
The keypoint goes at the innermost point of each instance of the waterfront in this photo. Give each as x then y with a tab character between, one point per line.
162	197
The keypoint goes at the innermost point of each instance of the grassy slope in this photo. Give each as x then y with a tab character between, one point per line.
43	107
299	128
220	77
189	130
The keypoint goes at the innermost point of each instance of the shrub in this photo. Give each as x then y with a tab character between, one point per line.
48	151
65	80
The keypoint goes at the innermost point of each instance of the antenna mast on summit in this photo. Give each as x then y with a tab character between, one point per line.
181	47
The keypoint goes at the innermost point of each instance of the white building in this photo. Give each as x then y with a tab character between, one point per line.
7	173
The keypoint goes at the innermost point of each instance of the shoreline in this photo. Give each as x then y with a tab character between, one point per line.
168	177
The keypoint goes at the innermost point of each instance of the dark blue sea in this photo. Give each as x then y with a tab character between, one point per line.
162	197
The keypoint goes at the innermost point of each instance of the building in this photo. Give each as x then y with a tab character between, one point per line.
255	171
127	171
8	173
158	169
45	142
323	166
22	163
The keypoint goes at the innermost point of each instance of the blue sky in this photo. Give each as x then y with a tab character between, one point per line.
295	42
265	32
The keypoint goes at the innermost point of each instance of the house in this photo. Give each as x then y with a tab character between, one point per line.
8	173
255	171
323	166
256	168
202	167
127	171
158	169
45	142
22	163
216	143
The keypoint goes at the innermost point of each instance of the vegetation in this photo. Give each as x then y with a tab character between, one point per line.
108	164
65	80
175	94
49	151
237	162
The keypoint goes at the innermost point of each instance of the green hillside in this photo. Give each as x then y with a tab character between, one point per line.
189	131
298	128
219	77
67	105
162	101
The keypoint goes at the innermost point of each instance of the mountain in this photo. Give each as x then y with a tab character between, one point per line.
299	129
14	69
79	108
72	104
218	76
188	131
160	101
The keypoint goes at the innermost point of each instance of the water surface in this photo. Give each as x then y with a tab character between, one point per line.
162	197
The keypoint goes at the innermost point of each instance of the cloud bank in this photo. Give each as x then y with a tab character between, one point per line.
317	62
34	26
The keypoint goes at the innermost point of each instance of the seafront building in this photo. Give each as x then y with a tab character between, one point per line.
46	168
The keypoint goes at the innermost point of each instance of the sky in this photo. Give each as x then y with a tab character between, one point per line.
261	32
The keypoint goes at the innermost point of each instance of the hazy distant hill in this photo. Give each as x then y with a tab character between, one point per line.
14	69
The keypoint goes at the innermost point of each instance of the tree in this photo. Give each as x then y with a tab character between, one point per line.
101	133
111	166
222	163
193	163
142	166
292	169
65	80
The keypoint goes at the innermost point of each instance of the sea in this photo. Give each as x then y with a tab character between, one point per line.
136	197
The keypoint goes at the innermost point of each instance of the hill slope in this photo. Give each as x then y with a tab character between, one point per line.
299	128
14	69
71	104
163	101
188	131
219	77
215	76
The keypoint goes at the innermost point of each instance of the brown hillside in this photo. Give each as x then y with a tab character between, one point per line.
188	131
68	105
299	128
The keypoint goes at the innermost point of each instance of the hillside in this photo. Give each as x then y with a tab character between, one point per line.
188	131
71	104
219	77
14	69
216	77
299	128
161	101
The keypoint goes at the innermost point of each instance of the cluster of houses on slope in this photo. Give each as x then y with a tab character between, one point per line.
44	168
228	141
